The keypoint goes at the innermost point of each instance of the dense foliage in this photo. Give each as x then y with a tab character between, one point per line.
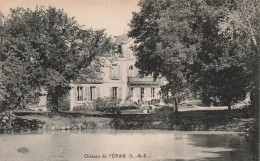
45	48
206	47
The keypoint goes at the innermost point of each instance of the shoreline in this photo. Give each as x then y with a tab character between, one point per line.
220	120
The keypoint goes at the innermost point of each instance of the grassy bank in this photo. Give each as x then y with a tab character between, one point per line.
217	120
71	123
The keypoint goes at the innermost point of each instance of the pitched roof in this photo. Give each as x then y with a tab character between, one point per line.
122	39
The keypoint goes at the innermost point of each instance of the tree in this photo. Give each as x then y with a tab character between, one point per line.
46	48
241	25
3	93
228	56
182	40
220	65
155	56
144	30
166	43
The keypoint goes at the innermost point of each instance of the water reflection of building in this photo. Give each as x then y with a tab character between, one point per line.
120	79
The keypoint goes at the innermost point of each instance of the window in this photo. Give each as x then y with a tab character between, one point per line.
131	92
79	94
130	71
91	93
114	96
152	92
129	53
119	49
142	94
115	71
115	92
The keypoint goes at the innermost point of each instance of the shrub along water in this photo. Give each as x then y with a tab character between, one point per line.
107	104
82	108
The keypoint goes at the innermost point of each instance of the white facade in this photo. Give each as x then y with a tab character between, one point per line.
119	80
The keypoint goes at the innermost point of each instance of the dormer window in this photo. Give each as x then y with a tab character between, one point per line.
119	49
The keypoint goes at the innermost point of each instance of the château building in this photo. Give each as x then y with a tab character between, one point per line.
119	79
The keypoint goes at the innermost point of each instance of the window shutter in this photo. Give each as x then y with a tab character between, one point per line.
97	92
131	92
87	93
81	94
118	71
75	93
128	91
94	93
119	92
138	92
111	92
128	72
148	92
110	71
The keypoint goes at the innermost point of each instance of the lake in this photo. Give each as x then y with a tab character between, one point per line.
125	145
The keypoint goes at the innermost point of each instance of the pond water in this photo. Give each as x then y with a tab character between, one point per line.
125	145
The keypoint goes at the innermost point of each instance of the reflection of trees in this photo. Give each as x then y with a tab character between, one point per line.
214	140
251	145
242	147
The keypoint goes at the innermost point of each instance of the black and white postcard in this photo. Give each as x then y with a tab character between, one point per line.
129	80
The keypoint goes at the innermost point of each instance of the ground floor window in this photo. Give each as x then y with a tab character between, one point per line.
91	93
152	92
79	93
114	92
142	94
131	92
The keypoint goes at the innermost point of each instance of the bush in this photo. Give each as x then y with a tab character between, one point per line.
155	101
129	102
208	101
81	108
164	108
128	107
64	102
64	108
169	100
107	104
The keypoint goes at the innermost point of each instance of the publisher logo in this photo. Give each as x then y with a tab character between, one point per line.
23	150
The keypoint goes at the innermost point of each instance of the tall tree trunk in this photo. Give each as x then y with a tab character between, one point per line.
176	104
254	94
53	102
229	106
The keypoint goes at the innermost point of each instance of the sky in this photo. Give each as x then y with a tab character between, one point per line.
112	15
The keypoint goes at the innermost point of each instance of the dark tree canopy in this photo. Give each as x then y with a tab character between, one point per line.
197	47
47	48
